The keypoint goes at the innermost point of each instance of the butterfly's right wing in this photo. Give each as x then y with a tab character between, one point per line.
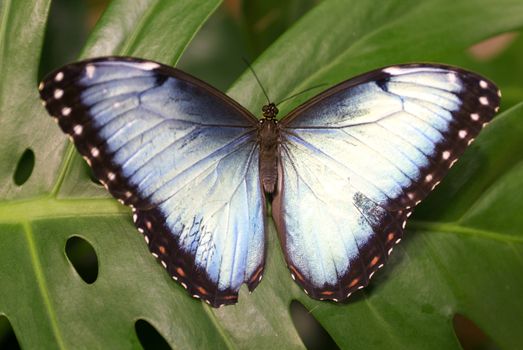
356	159
182	154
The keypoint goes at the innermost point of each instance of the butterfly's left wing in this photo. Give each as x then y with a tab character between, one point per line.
182	154
356	159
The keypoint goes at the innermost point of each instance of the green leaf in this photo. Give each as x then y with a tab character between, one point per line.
264	20
220	40
462	252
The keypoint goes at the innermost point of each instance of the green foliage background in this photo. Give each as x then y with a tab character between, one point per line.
463	252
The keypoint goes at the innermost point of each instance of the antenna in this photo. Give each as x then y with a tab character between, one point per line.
301	92
257	79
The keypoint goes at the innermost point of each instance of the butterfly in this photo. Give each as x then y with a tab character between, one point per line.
342	172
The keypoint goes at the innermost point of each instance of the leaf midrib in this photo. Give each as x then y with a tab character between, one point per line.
455	228
42	286
41	208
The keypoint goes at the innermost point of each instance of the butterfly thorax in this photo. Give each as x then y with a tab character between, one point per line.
269	140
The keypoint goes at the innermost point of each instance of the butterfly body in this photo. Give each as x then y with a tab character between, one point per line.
342	172
269	139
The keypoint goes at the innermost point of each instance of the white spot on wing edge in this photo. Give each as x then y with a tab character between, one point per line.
78	129
41	86
66	111
149	65
483	84
58	93
59	76
89	71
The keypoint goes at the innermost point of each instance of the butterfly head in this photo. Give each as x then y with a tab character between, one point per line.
270	111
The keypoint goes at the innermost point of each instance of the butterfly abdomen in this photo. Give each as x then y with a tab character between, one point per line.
268	138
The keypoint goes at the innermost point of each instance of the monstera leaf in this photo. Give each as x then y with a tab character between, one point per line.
463	249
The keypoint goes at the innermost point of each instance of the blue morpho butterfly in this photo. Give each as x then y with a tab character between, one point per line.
343	171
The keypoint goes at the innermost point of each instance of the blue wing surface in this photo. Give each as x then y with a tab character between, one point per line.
183	155
356	159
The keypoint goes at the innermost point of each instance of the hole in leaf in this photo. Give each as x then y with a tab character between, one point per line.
82	256
311	332
149	337
7	335
24	168
470	336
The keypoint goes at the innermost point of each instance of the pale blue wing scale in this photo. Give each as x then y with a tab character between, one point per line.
356	159
182	154
230	212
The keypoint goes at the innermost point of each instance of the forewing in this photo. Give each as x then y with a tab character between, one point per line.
356	159
183	155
